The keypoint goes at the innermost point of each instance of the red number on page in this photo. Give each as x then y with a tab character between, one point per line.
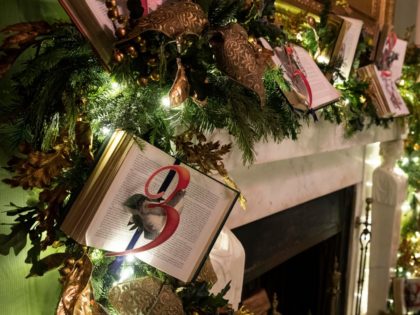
172	215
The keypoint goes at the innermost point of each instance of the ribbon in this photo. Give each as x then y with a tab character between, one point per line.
172	215
297	73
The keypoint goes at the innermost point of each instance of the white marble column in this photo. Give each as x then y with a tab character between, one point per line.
388	193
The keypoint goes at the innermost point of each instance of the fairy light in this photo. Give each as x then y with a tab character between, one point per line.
105	130
322	59
405	207
115	88
126	273
165	102
130	258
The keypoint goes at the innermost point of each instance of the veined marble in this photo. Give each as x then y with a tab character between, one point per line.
291	172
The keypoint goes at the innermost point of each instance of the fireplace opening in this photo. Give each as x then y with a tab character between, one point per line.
300	256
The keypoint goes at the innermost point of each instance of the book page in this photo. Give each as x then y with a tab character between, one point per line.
349	44
203	209
397	65
392	96
322	90
109	229
206	205
90	17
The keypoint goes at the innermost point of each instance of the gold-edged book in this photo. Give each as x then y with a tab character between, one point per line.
91	19
385	95
113	208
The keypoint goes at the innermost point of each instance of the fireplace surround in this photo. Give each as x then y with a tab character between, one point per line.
292	173
305	247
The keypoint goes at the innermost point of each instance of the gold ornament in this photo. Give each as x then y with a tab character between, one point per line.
172	18
113	13
238	59
180	88
154	76
152	62
132	52
111	3
122	19
118	56
145	295
142	81
311	21
121	32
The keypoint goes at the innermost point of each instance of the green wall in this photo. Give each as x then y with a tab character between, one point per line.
20	296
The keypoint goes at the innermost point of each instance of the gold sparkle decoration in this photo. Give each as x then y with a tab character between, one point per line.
146	295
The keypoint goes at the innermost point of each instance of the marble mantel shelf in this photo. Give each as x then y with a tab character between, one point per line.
317	137
288	173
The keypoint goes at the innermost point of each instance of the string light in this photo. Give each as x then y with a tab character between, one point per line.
105	130
405	161
405	207
165	101
126	273
115	88
323	59
130	258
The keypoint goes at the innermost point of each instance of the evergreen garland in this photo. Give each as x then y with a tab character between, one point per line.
64	83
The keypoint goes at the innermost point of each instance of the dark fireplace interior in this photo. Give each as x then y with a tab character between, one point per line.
300	255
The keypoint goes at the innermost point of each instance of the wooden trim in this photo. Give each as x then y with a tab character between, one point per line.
379	12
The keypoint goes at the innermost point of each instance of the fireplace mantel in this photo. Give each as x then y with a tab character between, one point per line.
289	173
320	162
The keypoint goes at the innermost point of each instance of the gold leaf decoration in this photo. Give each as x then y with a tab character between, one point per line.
38	168
172	18
145	295
206	156
239	59
19	37
47	218
207	273
76	297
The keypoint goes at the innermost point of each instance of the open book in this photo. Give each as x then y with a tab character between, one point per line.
386	97
91	18
127	199
309	88
344	48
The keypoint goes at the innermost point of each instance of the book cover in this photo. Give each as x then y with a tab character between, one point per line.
139	197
